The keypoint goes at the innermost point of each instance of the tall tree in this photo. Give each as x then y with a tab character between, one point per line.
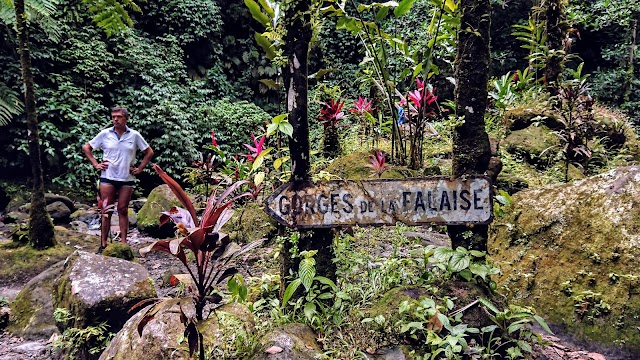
555	30
297	39
41	234
471	149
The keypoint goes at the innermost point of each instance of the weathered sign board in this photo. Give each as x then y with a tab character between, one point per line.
436	200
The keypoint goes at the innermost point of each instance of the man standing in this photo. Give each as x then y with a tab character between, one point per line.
117	169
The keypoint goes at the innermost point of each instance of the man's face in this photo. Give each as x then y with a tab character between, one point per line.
118	118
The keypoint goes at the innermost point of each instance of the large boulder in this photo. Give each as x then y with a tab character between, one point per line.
160	199
160	336
97	288
32	311
571	250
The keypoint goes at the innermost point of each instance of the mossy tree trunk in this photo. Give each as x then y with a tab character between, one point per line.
555	35
298	25
331	142
471	149
632	58
41	233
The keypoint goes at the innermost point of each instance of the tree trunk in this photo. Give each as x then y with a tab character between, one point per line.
471	149
632	59
296	84
41	233
555	37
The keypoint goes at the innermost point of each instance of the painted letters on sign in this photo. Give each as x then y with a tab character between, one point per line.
383	202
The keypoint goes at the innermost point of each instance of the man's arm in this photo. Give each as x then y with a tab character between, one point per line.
148	154
86	148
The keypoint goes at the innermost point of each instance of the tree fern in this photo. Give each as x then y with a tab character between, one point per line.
10	104
38	11
111	15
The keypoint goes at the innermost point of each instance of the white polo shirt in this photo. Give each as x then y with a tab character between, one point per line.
119	151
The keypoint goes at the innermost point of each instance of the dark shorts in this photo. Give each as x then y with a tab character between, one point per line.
115	183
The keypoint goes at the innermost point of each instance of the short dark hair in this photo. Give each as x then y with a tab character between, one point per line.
121	109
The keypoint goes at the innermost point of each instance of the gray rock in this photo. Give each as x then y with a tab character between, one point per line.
59	212
50	198
79	226
87	216
16	217
292	341
96	288
33	347
159	336
33	308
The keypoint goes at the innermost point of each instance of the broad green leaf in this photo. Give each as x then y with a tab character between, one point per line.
382	13
310	310
488	304
288	292
320	73
286	128
479	270
403	7
271	84
257	14
525	346
259	178
307	271
411	325
272	128
279	118
267	8
542	323
265	44
451	5
327	281
458	261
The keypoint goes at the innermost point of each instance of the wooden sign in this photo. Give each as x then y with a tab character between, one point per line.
436	200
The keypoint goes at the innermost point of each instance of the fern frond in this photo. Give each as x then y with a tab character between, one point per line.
10	104
111	15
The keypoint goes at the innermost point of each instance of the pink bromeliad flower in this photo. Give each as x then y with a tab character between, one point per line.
361	106
419	84
257	148
423	97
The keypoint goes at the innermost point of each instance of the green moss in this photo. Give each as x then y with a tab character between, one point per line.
250	223
352	167
543	254
119	250
22	262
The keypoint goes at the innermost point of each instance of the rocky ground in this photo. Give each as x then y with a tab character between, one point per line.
160	265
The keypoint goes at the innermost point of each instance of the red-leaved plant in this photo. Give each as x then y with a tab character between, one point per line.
211	264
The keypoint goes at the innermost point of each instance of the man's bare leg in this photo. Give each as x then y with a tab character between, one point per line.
124	196
107	191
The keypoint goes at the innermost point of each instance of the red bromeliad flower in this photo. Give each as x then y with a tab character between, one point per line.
378	165
330	114
419	84
214	143
361	106
256	149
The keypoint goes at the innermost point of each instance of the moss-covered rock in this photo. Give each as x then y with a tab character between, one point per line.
250	223
160	199
571	251
32	311
119	250
523	117
352	167
533	144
